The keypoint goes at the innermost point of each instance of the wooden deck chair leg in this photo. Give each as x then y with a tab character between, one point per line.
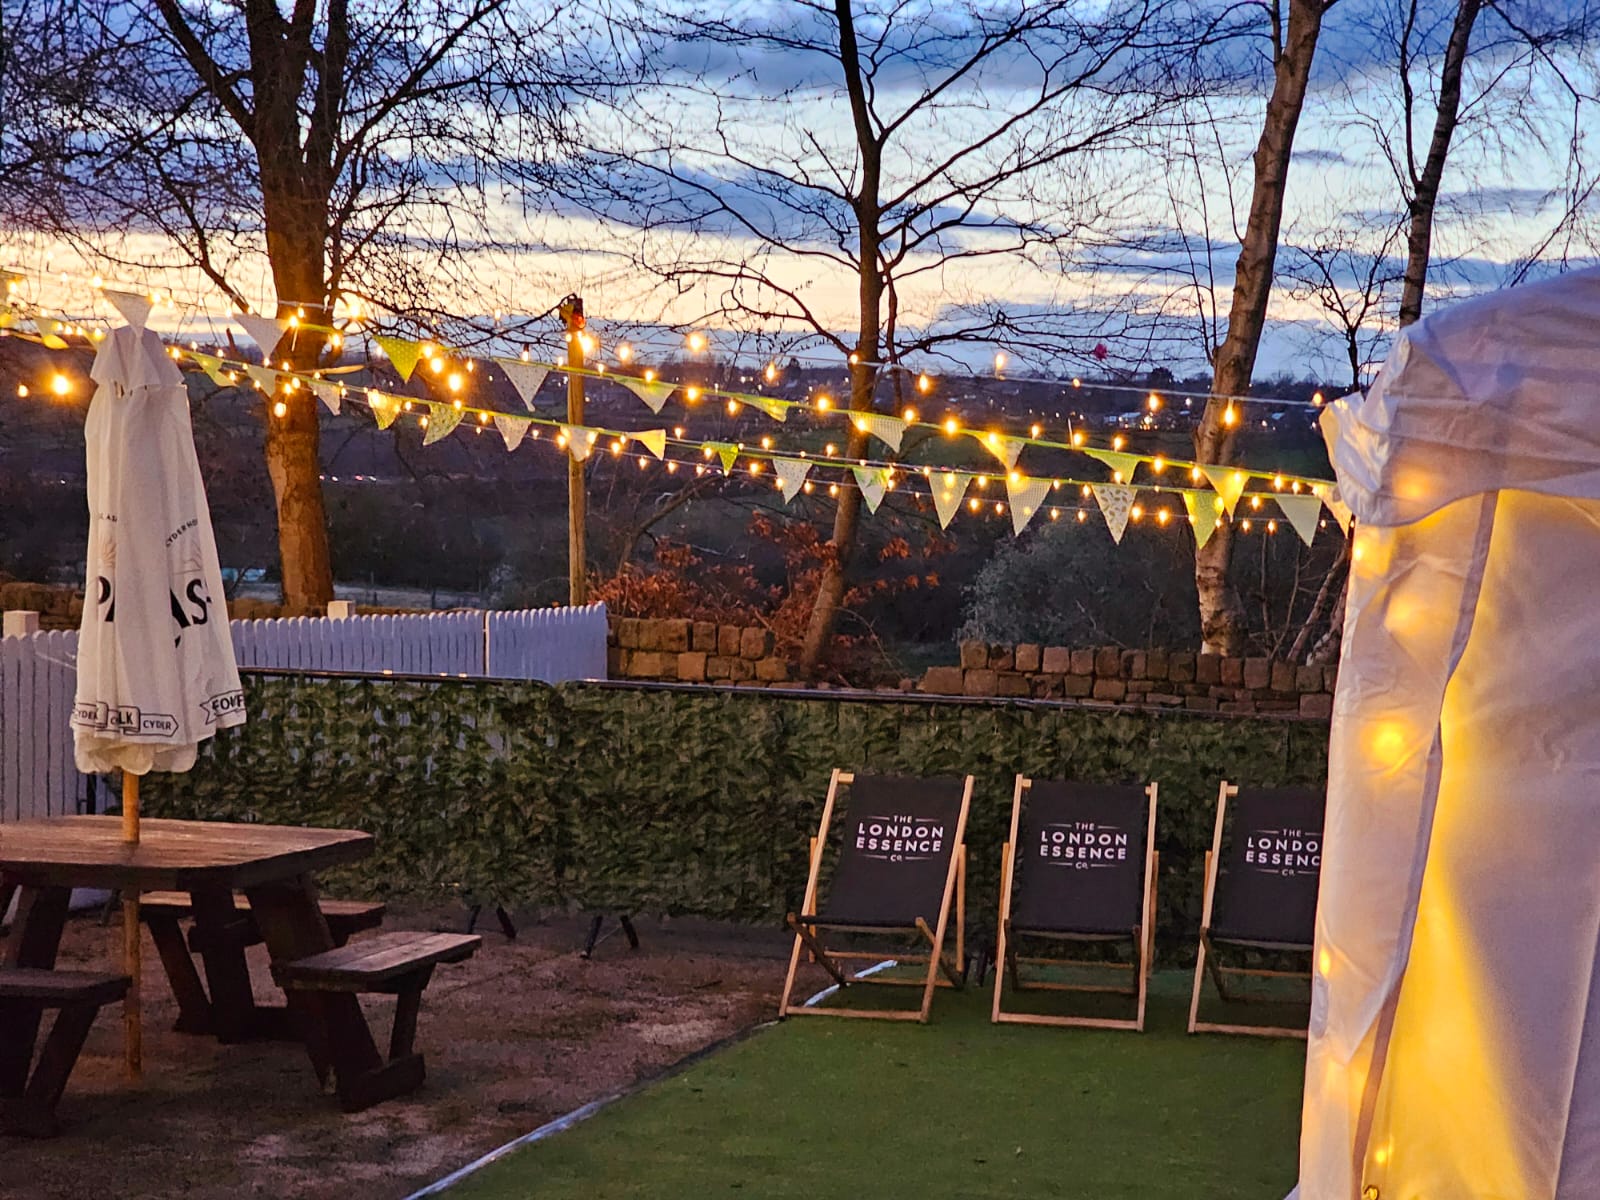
819	952
961	915
936	937
1002	947
1146	947
1199	978
808	904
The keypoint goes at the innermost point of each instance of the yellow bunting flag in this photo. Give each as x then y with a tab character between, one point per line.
791	473
1229	484
778	410
527	378
403	353
1004	448
442	422
873	482
385	408
726	451
212	366
265	332
1116	503
1122	465
1303	512
1026	494
135	309
653	440
949	488
888	430
512	429
1204	509
266	380
579	441
329	394
653	393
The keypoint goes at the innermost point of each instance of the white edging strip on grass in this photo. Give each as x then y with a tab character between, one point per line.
579	1115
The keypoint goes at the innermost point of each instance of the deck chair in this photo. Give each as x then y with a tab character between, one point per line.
1262	873
901	864
1079	867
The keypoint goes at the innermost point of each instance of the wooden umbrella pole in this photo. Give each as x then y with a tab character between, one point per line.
133	1032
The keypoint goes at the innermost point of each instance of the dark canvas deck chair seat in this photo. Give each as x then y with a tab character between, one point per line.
899	867
1078	868
1261	879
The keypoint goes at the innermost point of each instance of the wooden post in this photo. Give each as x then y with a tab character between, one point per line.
19	622
132	1027
577	558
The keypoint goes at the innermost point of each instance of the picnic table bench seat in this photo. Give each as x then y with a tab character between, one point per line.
28	1102
344	917
398	963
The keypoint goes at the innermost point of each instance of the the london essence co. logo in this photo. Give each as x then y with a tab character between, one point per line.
1082	845
899	838
1284	851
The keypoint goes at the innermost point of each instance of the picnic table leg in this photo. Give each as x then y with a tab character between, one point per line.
334	1028
194	1006
233	1005
35	938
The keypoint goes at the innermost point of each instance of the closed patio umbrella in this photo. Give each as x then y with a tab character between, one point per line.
156	671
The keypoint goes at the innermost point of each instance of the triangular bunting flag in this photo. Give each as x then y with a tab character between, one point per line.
1303	513
329	394
135	309
579	443
1004	448
1025	493
527	378
791	473
949	489
385	408
442	421
888	430
1229	484
1204	509
726	451
1116	502
653	440
264	331
1123	465
512	429
268	380
653	393
212	366
403	353
873	482
778	410
53	340
1329	495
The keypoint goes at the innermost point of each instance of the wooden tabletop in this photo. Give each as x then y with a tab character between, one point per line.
170	855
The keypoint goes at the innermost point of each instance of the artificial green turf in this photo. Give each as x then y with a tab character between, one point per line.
822	1108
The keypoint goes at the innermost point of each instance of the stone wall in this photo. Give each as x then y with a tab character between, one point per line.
1160	678
693	652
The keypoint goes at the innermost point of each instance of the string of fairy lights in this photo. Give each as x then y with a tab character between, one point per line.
790	469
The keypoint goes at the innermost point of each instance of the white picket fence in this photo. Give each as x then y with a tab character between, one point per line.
38	675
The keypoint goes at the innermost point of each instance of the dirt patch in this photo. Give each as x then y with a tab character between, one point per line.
516	1036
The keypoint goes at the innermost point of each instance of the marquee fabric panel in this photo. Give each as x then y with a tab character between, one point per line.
1455	1033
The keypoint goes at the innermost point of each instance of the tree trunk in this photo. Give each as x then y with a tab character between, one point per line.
864	372
1222	618
295	250
1425	196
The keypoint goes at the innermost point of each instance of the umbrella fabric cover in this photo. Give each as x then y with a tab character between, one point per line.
156	672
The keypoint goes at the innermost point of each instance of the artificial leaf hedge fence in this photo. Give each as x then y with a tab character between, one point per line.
683	800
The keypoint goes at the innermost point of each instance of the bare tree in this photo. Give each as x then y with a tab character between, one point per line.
1349	270
356	147
890	151
1294	27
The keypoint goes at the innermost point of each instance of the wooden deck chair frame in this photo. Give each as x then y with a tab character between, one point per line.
1207	960
1007	961
808	937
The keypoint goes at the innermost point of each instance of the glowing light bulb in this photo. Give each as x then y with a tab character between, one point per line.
909	414
697	341
456	381
1229	417
1077	439
771	373
1118	442
951	425
60	384
22	391
733	407
924	384
280	409
1000	360
824	402
624	352
1153	402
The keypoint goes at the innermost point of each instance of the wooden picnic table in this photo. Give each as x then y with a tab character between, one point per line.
273	865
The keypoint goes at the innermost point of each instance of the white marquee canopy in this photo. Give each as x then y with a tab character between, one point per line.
1455	1029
